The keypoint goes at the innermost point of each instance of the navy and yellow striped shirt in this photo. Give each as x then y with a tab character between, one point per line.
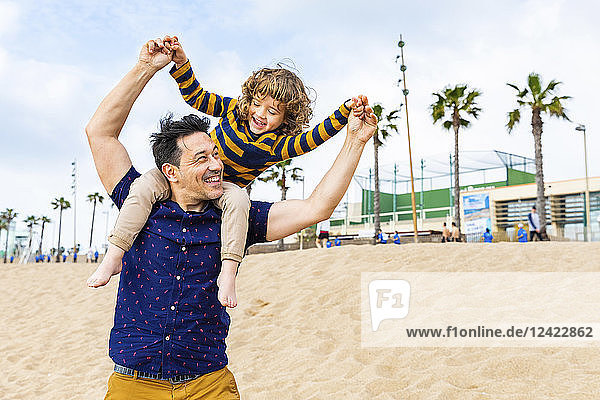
245	155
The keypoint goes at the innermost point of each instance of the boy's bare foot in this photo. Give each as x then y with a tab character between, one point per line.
226	284
110	265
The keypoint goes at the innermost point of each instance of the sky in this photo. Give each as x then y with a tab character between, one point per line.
58	59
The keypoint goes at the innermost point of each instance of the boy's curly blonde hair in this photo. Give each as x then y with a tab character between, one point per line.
285	87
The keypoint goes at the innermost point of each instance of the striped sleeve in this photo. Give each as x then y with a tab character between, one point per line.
196	96
293	146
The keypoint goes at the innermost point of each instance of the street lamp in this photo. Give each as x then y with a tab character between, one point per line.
588	222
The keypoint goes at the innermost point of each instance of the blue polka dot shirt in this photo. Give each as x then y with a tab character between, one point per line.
167	316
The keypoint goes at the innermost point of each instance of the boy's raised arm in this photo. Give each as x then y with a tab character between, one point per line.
191	90
290	216
293	146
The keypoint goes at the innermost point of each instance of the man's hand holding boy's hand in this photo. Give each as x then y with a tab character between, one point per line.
179	57
362	122
154	55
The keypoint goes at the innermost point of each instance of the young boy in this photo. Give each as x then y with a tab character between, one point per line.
260	128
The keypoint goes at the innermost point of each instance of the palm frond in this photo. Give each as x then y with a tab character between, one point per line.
470	99
378	111
556	109
535	85
549	89
437	112
474	111
513	118
447	124
458	92
521	93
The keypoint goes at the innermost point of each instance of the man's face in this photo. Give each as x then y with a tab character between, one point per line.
200	168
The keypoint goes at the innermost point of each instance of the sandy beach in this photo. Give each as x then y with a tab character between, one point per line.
296	333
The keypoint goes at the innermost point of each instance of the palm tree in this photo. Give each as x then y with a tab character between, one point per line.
94	198
44	220
7	216
280	173
31	221
62	204
385	127
539	101
3	226
460	105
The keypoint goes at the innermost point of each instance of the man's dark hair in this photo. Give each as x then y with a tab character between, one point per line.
164	143
454	224
534	208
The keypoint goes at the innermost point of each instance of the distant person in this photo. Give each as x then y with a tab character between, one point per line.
12	258
382	237
396	238
75	256
455	233
487	236
445	234
534	224
88	258
64	257
96	256
323	233
49	257
522	234
337	242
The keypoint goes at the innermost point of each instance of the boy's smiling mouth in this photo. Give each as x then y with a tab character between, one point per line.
258	123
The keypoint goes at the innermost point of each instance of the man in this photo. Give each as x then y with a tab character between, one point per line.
521	234
534	224
382	237
455	233
168	337
487	236
445	234
323	233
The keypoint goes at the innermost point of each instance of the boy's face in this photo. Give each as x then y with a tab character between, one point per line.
265	115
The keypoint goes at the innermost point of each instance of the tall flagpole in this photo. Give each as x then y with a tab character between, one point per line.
74	187
412	181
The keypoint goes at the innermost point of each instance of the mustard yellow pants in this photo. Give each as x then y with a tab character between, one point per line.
215	385
153	187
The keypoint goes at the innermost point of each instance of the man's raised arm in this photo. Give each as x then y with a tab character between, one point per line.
111	158
290	216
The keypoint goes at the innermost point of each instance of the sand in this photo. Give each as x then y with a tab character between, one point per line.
296	333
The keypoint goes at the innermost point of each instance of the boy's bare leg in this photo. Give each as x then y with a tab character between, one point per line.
110	265
226	283
235	204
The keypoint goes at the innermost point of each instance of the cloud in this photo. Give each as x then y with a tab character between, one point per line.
9	17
